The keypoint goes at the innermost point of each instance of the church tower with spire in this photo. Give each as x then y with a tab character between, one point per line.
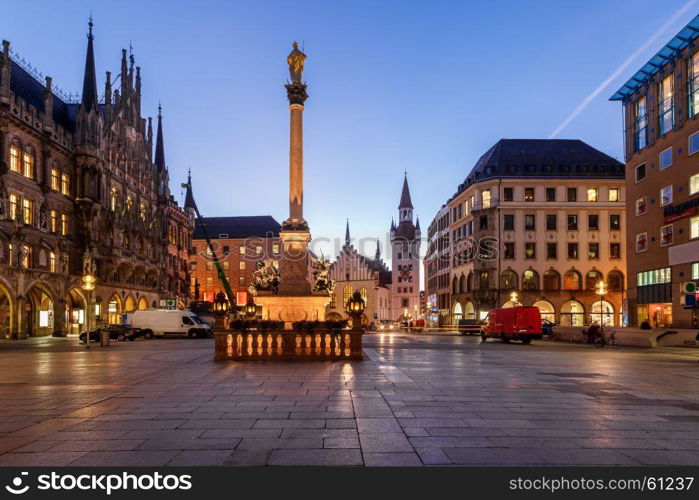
405	260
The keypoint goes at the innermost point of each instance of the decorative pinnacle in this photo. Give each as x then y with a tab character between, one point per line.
90	24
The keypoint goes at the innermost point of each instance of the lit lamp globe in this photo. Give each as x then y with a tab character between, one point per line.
88	282
220	303
355	308
250	308
601	290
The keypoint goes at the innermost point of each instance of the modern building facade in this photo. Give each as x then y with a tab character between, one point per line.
661	141
80	192
354	272
437	269
544	219
239	243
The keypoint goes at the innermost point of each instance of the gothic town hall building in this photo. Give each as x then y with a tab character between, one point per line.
81	193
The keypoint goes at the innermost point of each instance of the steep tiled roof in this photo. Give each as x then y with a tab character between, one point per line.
260	226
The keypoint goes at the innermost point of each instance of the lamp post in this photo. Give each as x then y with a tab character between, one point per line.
355	308
250	308
601	290
88	284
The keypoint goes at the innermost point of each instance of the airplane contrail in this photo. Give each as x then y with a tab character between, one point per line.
615	74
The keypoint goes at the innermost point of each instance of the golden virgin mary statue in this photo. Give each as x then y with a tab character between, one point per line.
295	60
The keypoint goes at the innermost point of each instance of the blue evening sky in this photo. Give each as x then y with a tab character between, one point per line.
420	86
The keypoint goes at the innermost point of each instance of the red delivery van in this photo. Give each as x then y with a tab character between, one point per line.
513	323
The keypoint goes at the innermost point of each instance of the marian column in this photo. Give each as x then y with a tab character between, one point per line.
295	234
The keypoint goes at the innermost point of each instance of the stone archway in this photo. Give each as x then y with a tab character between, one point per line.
7	311
114	309
130	304
469	310
75	311
142	304
36	311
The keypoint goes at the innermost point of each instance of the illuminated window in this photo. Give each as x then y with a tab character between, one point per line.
642	205
55	179
654	277
25	256
666	110
693	87
14	205
528	194
225	265
695	271
591	194
613	194
129	202
209	281
694	227
14	159
666	235
275	247
614	222
486	198
114	199
241	249
54	221
694	184
28	211
665	196
142	211
258	250
346	293
28	165
241	266
65	184
641	123
64	225
52	262
641	242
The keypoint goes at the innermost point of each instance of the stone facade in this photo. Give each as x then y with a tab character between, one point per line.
80	190
354	272
544	219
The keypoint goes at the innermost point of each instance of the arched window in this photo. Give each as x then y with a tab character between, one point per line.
457	312
552	280
508	280
530	280
462	284
602	312
615	281
469	311
483	280
591	279
362	292
469	281
28	161
572	280
455	286
572	313
546	309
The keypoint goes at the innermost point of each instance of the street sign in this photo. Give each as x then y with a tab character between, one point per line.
690	301
689	287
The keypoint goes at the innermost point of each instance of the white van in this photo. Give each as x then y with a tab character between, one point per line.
161	322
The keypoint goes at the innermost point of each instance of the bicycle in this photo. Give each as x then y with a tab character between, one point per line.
609	340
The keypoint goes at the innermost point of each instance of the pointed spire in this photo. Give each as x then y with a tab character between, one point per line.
89	99
189	197
393	224
378	250
417	224
405	201
347	234
159	145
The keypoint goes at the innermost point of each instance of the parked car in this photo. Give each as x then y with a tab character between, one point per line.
513	323
161	322
387	326
547	327
469	326
116	332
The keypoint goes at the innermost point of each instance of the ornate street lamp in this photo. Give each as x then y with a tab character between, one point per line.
601	290
220	302
250	308
88	284
355	308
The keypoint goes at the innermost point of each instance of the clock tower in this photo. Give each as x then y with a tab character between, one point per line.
405	261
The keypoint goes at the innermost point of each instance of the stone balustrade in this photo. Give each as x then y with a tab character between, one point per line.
289	345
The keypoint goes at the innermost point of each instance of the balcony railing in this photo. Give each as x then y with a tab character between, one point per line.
289	345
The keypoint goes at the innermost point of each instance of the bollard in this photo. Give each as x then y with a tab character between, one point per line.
104	339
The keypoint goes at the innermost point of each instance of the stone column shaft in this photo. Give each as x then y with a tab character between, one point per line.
296	163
